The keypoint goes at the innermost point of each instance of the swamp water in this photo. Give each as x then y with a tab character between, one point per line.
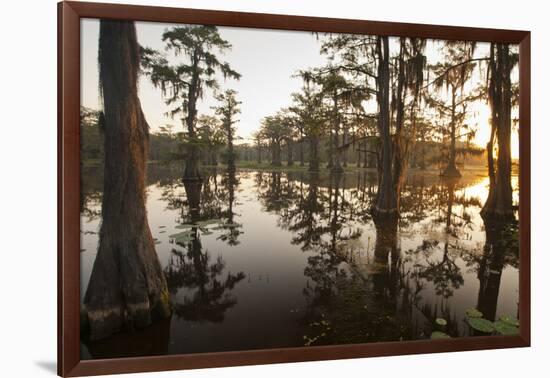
261	259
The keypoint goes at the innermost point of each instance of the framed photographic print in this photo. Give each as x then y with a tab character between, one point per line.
239	188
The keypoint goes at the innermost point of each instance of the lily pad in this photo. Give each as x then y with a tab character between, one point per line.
481	325
441	322
183	237
439	335
209	222
184	226
231	225
510	320
474	313
505	328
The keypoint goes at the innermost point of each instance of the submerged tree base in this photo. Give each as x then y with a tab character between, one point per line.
100	324
498	215
451	171
337	169
383	215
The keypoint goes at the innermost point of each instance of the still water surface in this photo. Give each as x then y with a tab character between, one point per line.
260	260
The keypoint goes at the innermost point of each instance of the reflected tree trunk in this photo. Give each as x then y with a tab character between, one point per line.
193	192
127	286
386	257
450	184
490	270
154	340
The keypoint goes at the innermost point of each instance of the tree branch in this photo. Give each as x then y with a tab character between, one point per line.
452	68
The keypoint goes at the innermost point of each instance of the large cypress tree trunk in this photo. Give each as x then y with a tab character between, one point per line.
314	153
336	167
290	157
214	156
230	150
191	171
399	148
330	160
365	155
301	148
452	170
386	203
127	285
345	152
500	201
276	153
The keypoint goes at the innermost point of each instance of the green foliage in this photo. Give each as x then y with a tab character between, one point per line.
227	109
481	325
505	328
511	320
474	313
506	325
183	84
439	335
183	237
211	134
307	107
277	128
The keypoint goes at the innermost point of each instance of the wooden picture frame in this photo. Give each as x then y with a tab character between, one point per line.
69	15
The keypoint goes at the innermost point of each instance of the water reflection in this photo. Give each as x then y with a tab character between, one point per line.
275	259
207	293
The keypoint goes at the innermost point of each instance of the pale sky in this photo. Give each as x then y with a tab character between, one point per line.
267	61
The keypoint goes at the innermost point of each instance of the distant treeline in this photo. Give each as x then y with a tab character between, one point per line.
165	145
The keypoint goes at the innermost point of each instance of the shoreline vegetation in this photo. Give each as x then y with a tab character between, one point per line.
478	170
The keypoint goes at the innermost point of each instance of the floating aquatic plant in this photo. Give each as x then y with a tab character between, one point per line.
510	320
474	313
505	328
439	335
481	325
185	226
183	237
